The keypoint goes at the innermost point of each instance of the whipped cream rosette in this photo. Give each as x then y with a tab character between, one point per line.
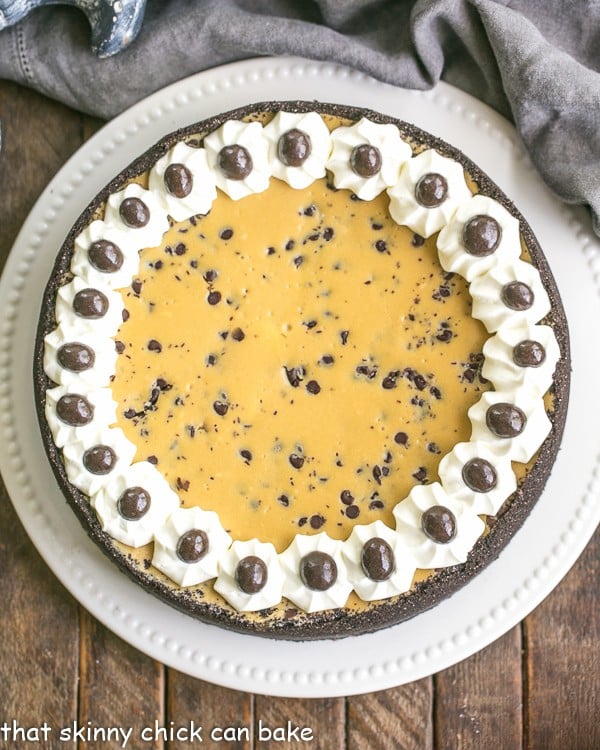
315	573
72	357
509	294
516	421
237	154
250	576
73	413
429	190
188	547
378	562
366	157
99	454
481	234
138	212
478	474
183	181
89	310
437	530
523	355
105	256
134	504
299	147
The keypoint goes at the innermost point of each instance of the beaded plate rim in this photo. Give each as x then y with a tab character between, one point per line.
308	671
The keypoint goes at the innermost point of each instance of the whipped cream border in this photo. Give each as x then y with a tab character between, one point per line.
408	541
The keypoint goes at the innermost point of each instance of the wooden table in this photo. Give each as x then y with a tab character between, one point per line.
536	687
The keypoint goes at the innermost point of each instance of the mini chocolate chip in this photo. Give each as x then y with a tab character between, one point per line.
76	357
105	256
294	148
353	511
313	387
90	303
246	454
381	246
120	347
505	420
137	286
391	380
377	559
221	408
192	546
74	410
251	574
134	503
419	381
213	297
295	375
235	162
529	353
210	275
420	474
318	571
445	335
316	521
152	460
365	160
326	359
154	346
346	497
344	337
237	334
179	181
481	235
401	438
479	475
283	500
517	295
328	234
180	249
417	240
100	459
134	212
296	460
439	524
431	190
226	234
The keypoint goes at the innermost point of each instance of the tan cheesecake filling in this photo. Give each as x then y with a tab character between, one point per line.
296	362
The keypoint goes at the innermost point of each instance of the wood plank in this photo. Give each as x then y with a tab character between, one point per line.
562	640
226	716
38	618
478	703
38	136
326	717
398	718
119	688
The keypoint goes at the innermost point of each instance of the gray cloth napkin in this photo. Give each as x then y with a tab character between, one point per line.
535	61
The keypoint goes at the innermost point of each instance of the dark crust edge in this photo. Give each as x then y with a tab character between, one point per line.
337	622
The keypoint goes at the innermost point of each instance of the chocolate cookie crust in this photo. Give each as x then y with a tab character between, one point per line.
289	623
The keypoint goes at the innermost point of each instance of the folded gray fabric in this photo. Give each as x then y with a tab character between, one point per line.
535	61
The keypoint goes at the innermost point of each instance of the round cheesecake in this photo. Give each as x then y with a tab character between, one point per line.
301	370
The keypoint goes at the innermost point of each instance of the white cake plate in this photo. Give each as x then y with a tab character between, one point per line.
536	559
